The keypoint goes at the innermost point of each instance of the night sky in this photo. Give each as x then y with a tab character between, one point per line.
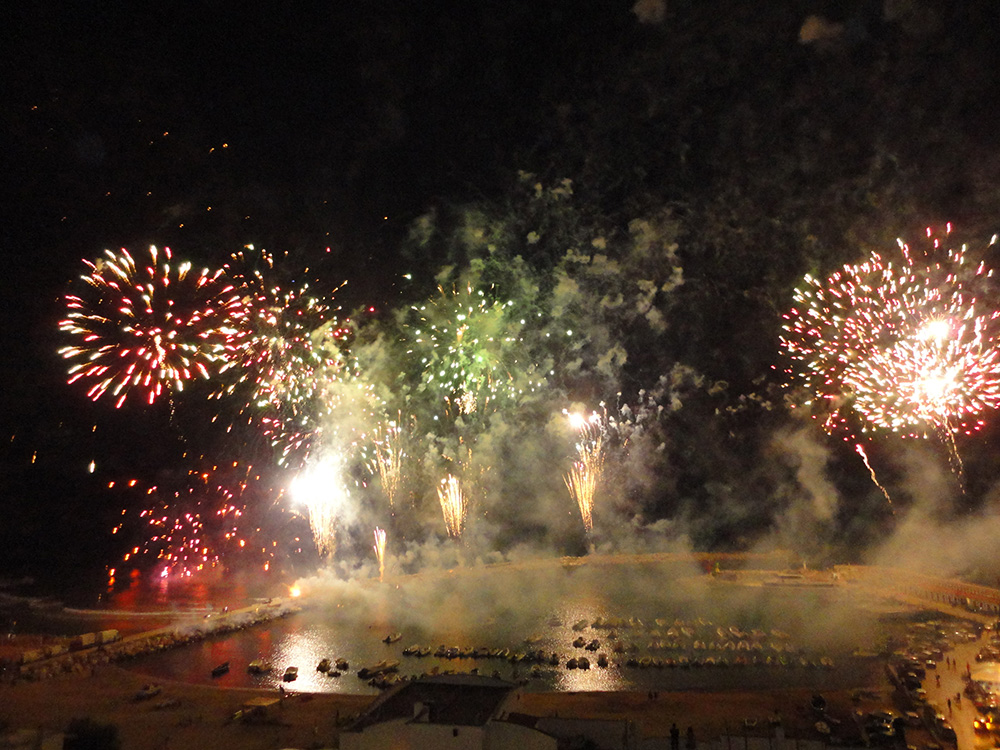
357	140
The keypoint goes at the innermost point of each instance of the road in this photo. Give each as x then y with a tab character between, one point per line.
961	712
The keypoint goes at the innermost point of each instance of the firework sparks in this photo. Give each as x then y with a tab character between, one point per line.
388	459
583	478
146	328
907	346
285	354
379	548
453	505
321	489
196	520
469	349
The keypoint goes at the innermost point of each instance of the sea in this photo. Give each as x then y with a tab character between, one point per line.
662	625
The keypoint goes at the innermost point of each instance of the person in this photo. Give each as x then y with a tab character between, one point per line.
689	742
675	737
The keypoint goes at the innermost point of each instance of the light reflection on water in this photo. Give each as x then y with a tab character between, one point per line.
531	610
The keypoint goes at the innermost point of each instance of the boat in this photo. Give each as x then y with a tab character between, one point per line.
258	666
383	667
323	666
392	638
290	674
147	691
221	669
342	665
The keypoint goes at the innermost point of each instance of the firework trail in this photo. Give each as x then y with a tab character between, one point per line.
905	346
453	505
149	327
379	548
864	457
388	459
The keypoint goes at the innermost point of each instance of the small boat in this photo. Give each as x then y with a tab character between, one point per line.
323	666
392	638
580	642
290	674
258	666
147	691
342	665
220	670
602	660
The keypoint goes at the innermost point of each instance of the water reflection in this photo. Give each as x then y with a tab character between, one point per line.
639	612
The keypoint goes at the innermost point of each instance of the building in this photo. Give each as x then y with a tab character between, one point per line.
464	712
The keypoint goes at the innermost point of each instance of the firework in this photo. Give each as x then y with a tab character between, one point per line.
871	471
388	459
201	523
453	505
583	478
379	548
906	346
470	352
146	328
323	492
288	349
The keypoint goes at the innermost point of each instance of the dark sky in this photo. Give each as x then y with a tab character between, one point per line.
335	125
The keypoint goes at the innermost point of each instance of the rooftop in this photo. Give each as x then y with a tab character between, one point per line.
460	700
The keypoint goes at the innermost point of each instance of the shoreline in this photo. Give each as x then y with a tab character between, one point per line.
97	684
184	715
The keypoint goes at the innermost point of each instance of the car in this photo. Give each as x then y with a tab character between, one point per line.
985	723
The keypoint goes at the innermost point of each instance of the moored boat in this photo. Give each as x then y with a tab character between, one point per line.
291	674
220	670
258	666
